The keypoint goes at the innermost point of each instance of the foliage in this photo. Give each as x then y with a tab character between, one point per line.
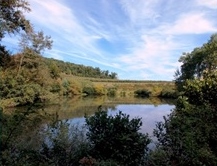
117	138
196	62
54	70
89	90
142	93
80	70
64	144
168	93
188	136
35	41
111	91
25	141
29	94
106	163
99	90
55	87
12	17
15	142
5	57
202	91
26	87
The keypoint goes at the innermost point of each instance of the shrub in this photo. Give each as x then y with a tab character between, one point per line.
117	138
29	93
64	144
89	91
99	90
142	93
111	92
167	93
55	87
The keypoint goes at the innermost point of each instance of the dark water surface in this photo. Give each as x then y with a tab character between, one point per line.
151	110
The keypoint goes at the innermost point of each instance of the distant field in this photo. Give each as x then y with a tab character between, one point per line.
124	87
116	80
126	81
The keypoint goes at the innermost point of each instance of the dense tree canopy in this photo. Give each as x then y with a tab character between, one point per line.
201	59
12	17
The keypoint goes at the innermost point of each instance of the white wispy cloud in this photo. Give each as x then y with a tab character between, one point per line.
192	23
60	21
159	49
138	39
144	8
208	3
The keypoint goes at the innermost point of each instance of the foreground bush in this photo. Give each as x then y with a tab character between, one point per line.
117	138
188	136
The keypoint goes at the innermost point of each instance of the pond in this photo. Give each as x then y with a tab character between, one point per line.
151	110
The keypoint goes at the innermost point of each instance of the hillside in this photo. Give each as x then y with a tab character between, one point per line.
78	70
28	77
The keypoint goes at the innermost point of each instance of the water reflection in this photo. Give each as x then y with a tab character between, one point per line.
77	107
151	110
149	113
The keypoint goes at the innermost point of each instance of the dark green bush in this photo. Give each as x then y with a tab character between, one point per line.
117	138
65	144
142	93
89	90
55	87
168	93
111	92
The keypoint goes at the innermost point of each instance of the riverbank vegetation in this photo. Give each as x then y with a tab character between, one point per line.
188	135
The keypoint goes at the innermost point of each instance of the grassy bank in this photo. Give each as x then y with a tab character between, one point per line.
71	86
121	87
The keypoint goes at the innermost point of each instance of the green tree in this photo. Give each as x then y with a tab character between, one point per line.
35	41
200	92
12	18
113	75
54	70
5	57
201	59
188	136
117	138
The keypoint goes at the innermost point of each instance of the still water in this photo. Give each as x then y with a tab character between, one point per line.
151	110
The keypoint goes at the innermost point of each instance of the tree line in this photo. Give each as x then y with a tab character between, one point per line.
58	66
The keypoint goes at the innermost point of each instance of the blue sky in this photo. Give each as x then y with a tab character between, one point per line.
137	39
